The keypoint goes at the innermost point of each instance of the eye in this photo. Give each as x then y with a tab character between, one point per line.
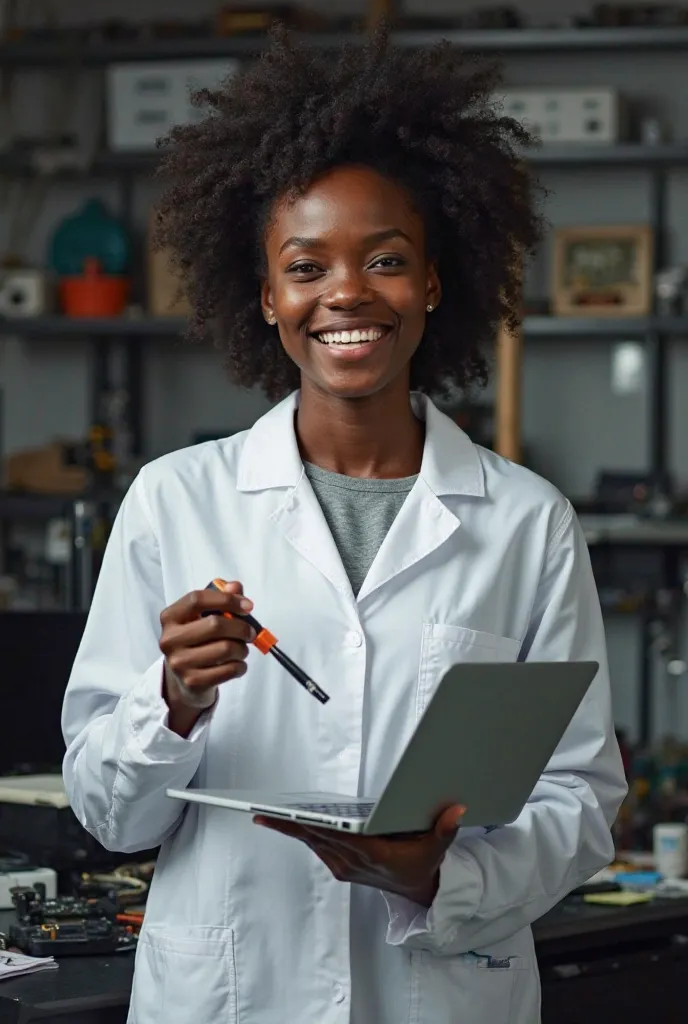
387	263
304	268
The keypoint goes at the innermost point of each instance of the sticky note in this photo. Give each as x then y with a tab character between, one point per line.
618	899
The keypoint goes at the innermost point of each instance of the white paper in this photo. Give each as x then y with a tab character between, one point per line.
13	965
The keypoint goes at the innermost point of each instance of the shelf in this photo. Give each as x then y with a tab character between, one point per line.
603	326
26	505
624	155
20	506
77	51
634	531
571	155
576	40
168	327
630	155
102	165
619	530
106	327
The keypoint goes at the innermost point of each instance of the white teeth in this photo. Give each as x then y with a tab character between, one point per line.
350	337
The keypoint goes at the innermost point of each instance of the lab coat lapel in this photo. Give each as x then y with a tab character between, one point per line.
450	466
270	460
422	525
304	526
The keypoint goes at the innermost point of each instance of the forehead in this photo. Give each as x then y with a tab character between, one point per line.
357	200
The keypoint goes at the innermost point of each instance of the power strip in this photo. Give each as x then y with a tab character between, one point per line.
11	879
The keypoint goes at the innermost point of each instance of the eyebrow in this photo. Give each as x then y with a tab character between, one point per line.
299	242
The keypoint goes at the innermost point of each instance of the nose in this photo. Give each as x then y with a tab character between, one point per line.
348	288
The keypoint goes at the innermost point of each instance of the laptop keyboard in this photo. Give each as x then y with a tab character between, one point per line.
338	810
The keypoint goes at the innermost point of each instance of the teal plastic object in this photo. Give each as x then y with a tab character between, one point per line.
91	232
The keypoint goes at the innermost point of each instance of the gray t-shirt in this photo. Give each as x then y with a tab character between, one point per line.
359	513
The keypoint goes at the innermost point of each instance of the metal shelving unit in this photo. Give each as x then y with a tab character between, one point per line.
36	53
657	162
96	327
628	155
604	327
75	51
551	327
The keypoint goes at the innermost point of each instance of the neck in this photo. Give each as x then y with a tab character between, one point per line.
377	436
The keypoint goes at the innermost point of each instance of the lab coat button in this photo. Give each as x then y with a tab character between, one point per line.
339	994
354	639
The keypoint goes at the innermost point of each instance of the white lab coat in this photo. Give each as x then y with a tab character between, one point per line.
485	562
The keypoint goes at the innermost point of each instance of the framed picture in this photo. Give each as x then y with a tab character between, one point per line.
603	271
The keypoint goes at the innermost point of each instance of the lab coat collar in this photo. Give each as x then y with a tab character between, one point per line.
270	457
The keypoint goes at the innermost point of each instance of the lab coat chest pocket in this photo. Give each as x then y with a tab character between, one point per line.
444	645
184	974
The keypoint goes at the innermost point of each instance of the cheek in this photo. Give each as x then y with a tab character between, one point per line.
293	302
405	295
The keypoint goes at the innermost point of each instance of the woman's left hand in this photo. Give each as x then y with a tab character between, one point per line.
405	865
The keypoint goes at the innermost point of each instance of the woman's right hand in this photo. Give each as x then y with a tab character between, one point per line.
202	651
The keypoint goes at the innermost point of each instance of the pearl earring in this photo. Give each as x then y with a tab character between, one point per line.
429	307
271	319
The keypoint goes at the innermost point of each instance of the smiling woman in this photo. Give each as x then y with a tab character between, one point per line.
353	227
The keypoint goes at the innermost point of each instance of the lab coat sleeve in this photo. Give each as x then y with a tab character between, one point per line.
121	756
494	884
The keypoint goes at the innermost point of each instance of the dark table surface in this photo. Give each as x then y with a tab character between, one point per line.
93	982
99	982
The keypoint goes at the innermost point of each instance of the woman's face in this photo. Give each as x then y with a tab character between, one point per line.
349	281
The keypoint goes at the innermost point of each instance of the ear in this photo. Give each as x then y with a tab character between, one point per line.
266	301
433	288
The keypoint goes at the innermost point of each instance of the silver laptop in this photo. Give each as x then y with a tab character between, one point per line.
483	742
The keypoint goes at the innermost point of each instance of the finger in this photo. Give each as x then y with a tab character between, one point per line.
193	605
204	631
448	823
201	679
294	830
287	828
339	843
221	652
342	869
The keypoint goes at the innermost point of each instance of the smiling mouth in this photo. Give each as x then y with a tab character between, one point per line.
344	339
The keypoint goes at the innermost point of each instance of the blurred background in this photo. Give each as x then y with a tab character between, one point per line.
95	381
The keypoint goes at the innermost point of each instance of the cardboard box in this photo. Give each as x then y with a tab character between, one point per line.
164	298
44	471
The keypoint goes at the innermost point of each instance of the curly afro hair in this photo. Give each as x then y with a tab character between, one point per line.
425	118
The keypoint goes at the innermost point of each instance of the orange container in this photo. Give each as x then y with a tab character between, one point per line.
94	294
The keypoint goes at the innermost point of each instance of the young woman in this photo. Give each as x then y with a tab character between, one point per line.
351	225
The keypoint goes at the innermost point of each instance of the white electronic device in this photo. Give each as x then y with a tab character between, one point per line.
24	293
146	100
31	876
575	115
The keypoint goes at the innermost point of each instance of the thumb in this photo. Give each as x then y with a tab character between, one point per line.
448	823
230	588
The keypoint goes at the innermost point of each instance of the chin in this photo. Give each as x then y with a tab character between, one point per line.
352	386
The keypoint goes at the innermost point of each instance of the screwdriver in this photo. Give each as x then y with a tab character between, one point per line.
267	644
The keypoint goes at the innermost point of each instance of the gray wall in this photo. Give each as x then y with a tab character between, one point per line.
574	425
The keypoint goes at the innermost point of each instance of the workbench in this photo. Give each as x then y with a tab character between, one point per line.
598	965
